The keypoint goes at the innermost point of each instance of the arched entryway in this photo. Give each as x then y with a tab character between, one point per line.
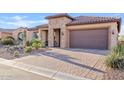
22	38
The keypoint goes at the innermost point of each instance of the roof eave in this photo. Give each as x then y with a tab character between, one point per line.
118	22
58	16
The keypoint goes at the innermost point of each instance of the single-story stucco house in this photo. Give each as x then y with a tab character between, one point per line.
64	31
86	32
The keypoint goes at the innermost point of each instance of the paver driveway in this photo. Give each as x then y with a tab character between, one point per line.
78	62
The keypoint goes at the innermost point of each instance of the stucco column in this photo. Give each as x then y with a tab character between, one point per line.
67	38
50	37
63	35
113	35
40	34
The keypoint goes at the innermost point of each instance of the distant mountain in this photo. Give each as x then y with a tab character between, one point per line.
6	30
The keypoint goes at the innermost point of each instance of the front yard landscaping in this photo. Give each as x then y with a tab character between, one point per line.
13	52
10	49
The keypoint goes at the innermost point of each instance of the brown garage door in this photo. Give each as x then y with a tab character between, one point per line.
89	39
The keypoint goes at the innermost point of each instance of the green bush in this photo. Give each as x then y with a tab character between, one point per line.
121	38
116	58
28	49
36	43
16	53
119	49
8	40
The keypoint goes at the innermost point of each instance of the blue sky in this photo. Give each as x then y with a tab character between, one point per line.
15	20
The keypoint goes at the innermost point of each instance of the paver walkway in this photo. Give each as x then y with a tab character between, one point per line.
83	63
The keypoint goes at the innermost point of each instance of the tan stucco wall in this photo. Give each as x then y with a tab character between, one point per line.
29	35
58	23
112	27
42	34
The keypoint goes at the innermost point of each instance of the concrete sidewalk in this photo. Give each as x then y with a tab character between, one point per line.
11	73
53	74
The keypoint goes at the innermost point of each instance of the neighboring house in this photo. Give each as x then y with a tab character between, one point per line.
5	34
64	31
25	34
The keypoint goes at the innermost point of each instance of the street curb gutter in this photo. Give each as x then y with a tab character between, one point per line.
41	71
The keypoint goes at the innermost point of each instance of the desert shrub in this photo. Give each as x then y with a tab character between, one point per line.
115	61
121	38
12	49
119	49
15	47
0	40
116	58
10	37
36	43
8	40
28	49
27	43
16	53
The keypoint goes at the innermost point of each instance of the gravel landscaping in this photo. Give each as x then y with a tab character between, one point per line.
7	54
114	74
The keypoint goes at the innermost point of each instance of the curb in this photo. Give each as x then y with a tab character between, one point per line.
40	70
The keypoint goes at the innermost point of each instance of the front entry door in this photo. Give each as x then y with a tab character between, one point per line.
57	38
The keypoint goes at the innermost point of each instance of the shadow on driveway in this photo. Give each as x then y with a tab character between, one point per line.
92	51
69	59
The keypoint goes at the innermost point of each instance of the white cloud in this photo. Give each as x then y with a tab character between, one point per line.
13	17
116	14
18	24
20	21
35	21
19	17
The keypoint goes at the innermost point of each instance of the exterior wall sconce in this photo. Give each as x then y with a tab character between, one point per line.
113	32
62	33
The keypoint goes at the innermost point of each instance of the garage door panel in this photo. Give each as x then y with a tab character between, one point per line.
93	39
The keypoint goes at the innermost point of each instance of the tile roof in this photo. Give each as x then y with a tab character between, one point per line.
43	26
37	27
92	19
33	28
58	15
6	30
